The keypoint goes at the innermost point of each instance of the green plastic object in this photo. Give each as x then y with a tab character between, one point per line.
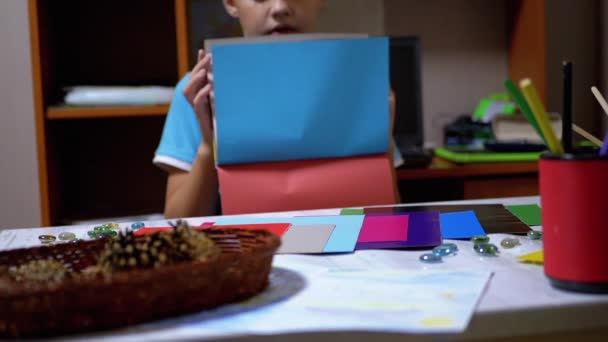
491	103
483	157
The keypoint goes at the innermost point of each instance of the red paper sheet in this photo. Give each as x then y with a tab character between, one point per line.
152	230
309	184
277	228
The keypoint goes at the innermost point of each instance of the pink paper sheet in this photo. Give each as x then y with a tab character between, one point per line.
384	228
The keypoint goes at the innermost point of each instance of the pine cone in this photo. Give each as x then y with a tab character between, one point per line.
40	270
181	244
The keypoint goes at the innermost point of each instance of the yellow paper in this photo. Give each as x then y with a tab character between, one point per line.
533	258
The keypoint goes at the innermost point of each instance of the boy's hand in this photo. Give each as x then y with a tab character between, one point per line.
198	92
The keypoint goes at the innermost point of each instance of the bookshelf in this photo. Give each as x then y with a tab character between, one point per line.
95	162
65	112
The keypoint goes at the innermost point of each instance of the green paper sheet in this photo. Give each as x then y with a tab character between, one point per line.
351	212
528	213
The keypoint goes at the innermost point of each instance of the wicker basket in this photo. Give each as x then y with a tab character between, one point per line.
88	304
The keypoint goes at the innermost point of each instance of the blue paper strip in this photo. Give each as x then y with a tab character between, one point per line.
342	240
301	100
460	225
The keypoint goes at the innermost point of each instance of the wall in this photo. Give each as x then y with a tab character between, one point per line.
19	196
464	53
573	33
353	16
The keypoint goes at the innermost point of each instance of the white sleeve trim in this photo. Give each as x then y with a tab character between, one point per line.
164	161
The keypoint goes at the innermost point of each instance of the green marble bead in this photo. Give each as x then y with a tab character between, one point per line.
535	235
111	233
509	243
486	249
47	238
111	225
66	236
480	239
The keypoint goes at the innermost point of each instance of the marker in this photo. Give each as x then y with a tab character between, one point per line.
567	108
524	107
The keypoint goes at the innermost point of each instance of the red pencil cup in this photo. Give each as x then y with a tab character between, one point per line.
574	190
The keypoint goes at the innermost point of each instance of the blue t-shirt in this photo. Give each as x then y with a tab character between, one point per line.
182	136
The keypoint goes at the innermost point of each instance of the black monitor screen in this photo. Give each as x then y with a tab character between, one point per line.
406	84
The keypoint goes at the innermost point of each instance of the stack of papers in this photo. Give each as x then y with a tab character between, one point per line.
301	125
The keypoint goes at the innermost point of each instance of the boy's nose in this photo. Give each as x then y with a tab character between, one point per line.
281	8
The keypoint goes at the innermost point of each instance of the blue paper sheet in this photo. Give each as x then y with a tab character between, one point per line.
460	225
342	240
301	100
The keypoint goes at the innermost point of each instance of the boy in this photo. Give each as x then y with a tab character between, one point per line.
186	147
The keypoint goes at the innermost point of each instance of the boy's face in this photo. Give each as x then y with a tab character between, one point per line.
266	17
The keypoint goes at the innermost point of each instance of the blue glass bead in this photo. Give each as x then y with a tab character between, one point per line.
137	225
66	236
535	235
509	243
486	249
47	238
452	245
444	250
430	258
480	239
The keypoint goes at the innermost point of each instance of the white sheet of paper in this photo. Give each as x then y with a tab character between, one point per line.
408	301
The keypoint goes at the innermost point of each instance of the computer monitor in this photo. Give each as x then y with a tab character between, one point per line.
405	78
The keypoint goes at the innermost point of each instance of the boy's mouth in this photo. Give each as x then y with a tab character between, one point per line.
282	29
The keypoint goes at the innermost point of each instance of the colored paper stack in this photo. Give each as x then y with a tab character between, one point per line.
302	124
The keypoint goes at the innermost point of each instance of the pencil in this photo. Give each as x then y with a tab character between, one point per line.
567	108
538	109
523	106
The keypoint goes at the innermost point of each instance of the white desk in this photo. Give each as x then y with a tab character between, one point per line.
518	301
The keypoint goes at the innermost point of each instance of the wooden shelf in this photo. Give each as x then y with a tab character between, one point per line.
446	181
65	112
441	168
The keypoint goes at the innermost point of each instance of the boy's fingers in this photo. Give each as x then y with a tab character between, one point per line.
202	97
194	84
212	99
203	61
